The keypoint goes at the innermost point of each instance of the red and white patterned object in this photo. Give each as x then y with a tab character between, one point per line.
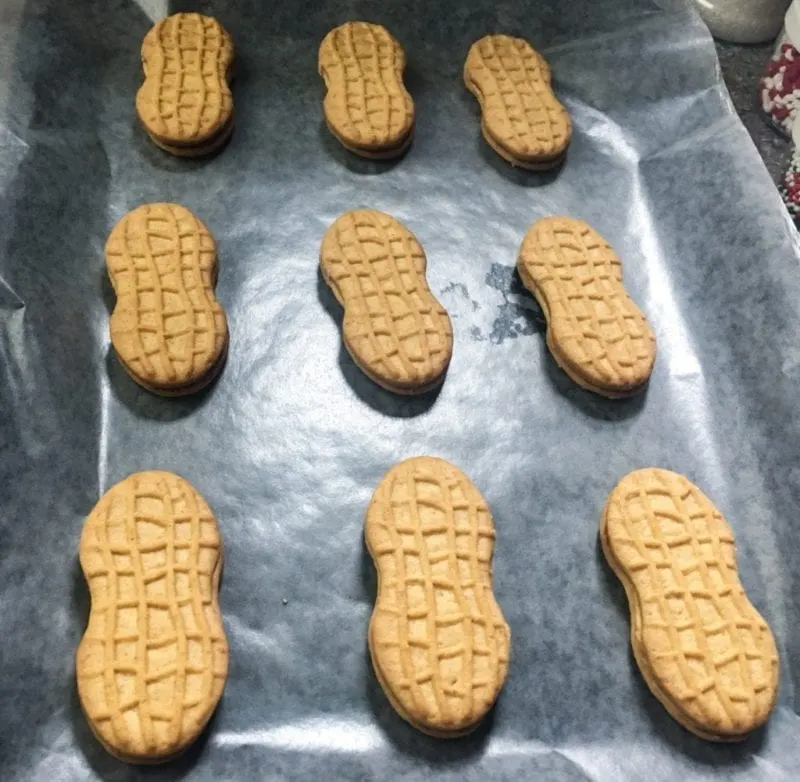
790	187
779	87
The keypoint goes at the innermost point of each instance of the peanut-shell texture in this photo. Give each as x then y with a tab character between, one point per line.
521	118
153	661
703	649
167	327
185	103
366	106
394	328
595	331
437	637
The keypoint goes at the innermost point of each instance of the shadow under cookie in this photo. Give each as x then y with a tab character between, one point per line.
145	404
354	162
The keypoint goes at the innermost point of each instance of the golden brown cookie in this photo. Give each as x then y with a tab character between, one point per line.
595	332
394	328
185	103
153	661
367	106
167	328
438	640
703	649
522	119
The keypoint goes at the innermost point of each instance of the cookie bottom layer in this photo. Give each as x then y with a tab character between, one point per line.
191	388
410	390
375	153
135	759
208	147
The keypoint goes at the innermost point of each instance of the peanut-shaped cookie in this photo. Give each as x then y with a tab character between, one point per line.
521	118
394	328
185	103
366	106
153	661
595	331
438	640
703	649
167	327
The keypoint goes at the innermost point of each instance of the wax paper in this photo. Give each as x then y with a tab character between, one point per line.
289	444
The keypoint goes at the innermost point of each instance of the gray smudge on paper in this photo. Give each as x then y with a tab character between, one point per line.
462	291
519	314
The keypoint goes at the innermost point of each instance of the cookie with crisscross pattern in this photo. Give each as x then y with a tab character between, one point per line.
394	328
367	106
595	331
152	663
703	649
185	103
438	639
521	118
167	327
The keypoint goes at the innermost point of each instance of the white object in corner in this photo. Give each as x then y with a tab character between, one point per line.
744	21
792	24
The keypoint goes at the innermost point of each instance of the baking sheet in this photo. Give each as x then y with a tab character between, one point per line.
289	444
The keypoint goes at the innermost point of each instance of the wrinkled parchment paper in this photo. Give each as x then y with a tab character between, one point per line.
289	444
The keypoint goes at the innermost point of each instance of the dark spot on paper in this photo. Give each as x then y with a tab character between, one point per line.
461	290
518	315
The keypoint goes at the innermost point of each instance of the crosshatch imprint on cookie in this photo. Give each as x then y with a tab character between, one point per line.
367	105
438	639
394	328
152	663
167	327
595	331
521	116
703	648
185	98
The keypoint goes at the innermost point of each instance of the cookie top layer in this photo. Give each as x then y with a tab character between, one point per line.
438	639
367	105
152	663
705	651
595	330
167	327
395	329
185	98
520	111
